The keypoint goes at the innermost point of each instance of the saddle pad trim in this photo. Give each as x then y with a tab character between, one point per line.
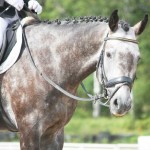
14	54
3	47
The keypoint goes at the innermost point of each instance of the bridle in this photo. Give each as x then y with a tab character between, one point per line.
120	81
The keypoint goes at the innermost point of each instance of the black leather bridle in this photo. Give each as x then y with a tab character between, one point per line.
120	81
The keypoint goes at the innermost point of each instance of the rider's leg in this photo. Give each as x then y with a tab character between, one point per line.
3	26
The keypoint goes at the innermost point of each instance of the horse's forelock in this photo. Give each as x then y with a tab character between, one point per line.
124	25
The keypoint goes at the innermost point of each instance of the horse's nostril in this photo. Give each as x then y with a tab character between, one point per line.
116	102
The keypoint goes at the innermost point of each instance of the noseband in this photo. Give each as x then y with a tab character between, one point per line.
120	81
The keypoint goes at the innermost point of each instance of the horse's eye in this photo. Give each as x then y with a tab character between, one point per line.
108	55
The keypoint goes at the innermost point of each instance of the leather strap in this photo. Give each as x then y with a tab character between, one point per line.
119	80
121	39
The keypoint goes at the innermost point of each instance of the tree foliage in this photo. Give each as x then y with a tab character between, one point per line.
132	11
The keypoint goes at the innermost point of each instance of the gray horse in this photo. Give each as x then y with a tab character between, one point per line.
67	52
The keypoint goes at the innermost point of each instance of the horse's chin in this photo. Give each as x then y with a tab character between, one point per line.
117	114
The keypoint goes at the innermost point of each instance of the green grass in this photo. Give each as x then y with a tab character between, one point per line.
79	128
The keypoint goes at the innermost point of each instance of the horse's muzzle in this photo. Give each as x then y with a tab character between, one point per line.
121	103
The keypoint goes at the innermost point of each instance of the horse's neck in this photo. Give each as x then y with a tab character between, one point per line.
85	46
70	52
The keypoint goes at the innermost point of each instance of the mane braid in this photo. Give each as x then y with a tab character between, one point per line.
75	20
87	19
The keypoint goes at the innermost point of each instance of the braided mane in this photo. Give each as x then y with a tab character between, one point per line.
87	19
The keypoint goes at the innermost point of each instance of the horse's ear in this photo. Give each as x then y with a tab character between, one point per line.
113	21
140	26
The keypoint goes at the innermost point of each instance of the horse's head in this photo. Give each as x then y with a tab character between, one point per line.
118	62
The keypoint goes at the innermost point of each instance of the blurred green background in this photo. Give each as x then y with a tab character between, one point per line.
105	128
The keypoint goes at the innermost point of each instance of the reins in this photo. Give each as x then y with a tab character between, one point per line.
5	10
91	97
105	83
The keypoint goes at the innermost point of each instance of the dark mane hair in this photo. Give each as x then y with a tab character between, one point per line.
75	20
125	26
86	19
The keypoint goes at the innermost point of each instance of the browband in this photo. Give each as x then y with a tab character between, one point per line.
121	39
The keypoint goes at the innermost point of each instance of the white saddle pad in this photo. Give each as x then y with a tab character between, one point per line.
14	54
